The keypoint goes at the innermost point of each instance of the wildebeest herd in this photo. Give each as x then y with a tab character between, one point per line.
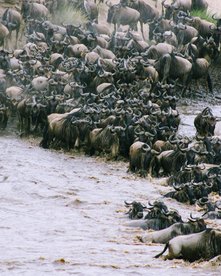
115	93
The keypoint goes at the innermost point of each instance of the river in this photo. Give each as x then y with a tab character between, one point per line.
63	214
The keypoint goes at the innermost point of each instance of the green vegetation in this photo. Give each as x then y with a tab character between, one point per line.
70	14
203	15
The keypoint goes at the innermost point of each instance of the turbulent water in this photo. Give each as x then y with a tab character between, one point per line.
64	214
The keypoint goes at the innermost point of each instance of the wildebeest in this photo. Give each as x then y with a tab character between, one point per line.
105	140
121	15
200	69
4	60
26	111
91	10
177	229
171	10
205	122
203	26
147	13
160	221
60	129
171	66
136	209
204	245
12	19
199	4
183	193
4	32
34	10
4	115
170	161
141	156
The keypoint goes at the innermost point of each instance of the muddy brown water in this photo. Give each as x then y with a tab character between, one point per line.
64	214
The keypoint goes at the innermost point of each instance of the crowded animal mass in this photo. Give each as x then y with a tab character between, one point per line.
112	85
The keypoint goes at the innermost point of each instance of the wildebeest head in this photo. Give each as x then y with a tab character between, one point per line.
25	8
4	60
196	224
156	209
205	122
136	209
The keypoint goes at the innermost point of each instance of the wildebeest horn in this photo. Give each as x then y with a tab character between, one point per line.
209	184
172	140
213	17
205	152
52	82
128	204
32	62
203	200
146	147
119	111
192	218
152	205
194	183
198	137
176	187
203	215
147	133
138	132
156	112
164	128
181	149
195	150
188	168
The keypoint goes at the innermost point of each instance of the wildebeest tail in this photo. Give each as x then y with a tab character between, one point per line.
161	253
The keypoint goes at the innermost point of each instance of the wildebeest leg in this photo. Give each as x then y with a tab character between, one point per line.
132	166
166	68
209	83
20	123
5	43
116	26
22	30
155	167
27	125
16	37
186	83
115	150
46	137
4	120
8	39
141	28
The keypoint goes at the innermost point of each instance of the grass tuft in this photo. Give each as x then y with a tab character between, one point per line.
69	15
203	15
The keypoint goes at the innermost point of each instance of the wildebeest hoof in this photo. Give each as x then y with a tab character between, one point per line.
22	134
